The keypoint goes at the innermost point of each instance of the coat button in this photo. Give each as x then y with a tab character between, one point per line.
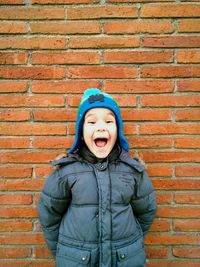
83	258
122	256
100	166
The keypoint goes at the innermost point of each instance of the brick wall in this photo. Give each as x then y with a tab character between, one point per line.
146	54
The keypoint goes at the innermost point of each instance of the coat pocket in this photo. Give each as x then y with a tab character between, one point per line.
71	256
132	255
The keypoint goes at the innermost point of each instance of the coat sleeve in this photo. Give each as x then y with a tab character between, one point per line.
53	202
144	201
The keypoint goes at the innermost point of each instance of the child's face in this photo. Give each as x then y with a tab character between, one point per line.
100	131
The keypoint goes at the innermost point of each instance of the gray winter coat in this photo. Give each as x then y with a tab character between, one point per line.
97	214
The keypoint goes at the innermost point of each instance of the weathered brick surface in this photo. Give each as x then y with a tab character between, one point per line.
146	54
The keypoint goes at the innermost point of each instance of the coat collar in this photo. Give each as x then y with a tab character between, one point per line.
116	155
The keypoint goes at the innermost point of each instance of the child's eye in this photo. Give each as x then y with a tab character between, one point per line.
91	122
109	121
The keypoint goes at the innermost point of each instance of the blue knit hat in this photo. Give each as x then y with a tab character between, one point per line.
94	98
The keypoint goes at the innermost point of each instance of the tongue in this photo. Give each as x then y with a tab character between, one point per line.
100	142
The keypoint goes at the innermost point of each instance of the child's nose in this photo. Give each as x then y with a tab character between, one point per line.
101	126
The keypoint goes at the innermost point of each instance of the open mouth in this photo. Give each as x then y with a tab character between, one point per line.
101	142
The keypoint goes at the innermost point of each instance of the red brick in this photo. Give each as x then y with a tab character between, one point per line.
67	2
12	2
171	156
137	1
42	171
16	225
188	115
176	184
100	12
178	212
20	115
129	128
102	72
104	42
188	85
137	57
189	171
14	142
189	25
186	225
172	263
13	58
30	263
54	142
172	239
27	157
22	239
187	198
187	252
41	252
160	225
187	142
20	185
37	225
73	101
146	115
55	115
138	26
61	87
15	171
162	253
13	27
139	86
15	199
70	128
70	27
32	101
7	129
32	72
172	41
170	101
34	43
32	13
159	170
18	212
146	142
165	198
11	253
13	87
66	58
123	101
174	11
188	56
169	128
170	71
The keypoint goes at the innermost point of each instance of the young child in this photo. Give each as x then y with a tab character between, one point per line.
96	207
